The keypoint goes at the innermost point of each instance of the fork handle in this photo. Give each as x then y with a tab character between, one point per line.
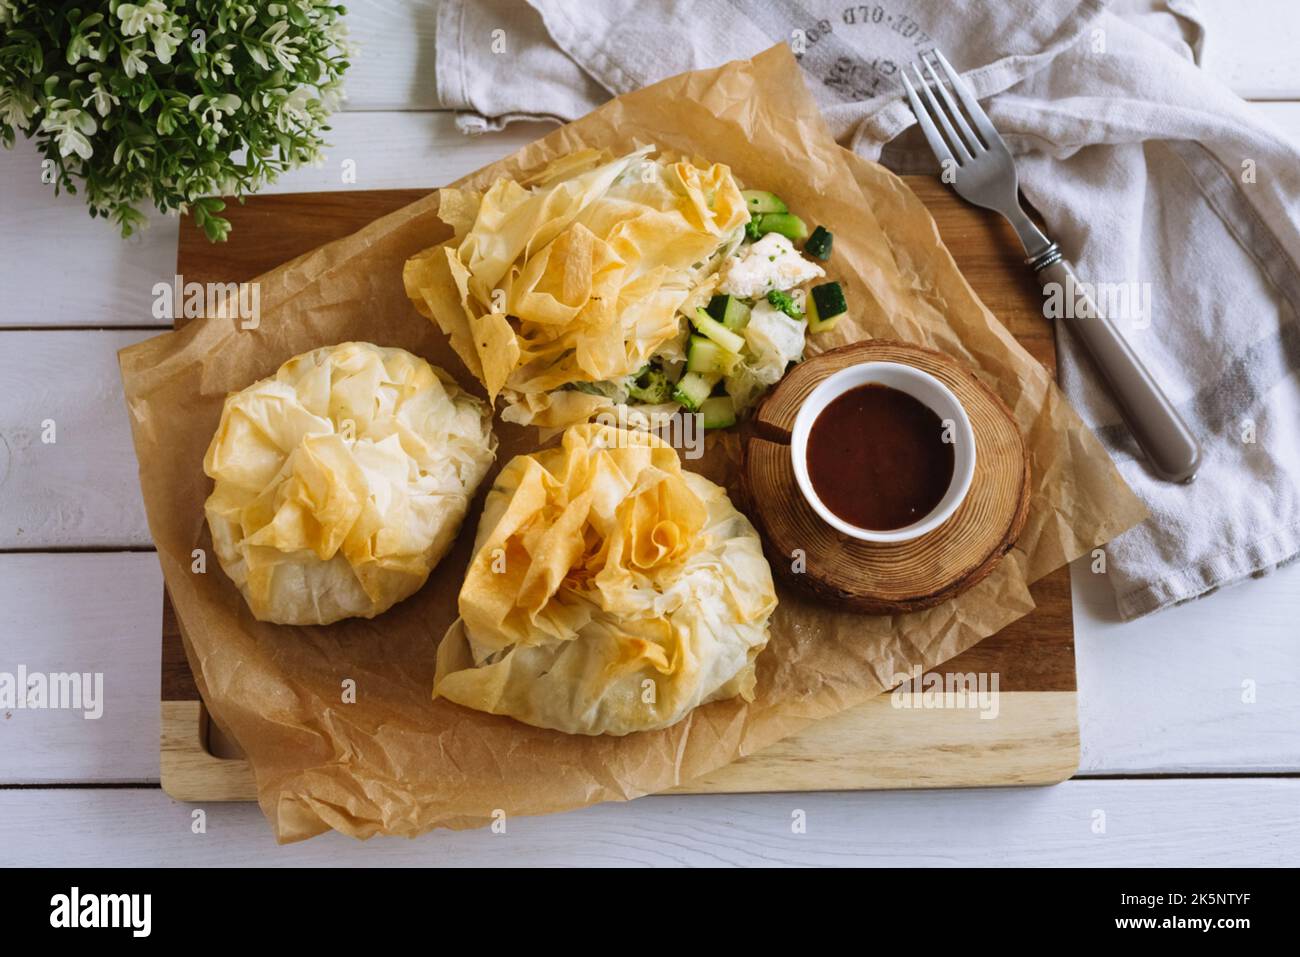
1172	451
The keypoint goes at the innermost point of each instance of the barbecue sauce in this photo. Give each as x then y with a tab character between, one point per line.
877	458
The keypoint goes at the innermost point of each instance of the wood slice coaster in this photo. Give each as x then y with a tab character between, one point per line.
886	578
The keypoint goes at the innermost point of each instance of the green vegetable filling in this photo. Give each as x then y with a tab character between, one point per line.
650	386
785	302
819	243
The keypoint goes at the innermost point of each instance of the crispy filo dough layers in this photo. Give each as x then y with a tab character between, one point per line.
576	276
341	481
610	591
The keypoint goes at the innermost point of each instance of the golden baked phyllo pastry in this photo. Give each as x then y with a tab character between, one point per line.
610	591
559	290
341	481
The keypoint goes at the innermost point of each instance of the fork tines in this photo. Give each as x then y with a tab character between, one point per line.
958	142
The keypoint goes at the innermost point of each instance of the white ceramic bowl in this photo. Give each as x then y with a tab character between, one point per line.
921	386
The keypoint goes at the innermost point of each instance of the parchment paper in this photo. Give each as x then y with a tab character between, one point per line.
396	762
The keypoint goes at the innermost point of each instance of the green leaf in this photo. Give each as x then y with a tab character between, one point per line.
216	229
154	145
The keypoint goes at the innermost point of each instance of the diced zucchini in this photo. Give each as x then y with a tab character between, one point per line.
787	224
758	201
693	389
825	305
731	311
819	243
716	331
829	297
706	356
719	412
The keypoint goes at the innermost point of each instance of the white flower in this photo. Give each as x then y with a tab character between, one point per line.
100	97
81	46
332	96
139	17
133	61
337	34
293	109
219	61
282	47
165	44
71	127
214	108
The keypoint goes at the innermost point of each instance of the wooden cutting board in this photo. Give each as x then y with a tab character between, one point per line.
1034	738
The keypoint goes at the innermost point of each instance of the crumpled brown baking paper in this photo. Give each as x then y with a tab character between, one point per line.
397	762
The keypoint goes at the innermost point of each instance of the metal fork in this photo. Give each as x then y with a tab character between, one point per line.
985	174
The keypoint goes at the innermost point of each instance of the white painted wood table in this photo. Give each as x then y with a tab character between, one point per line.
1183	768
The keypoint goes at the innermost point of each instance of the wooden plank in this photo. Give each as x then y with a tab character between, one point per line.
47	240
402	151
1034	739
115	278
67	462
1250	46
1282	118
59	267
1161	695
274	229
394	65
1028	737
1209	686
991	258
1190	823
1023	738
82	613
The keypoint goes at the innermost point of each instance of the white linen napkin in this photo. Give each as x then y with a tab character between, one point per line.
1159	183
